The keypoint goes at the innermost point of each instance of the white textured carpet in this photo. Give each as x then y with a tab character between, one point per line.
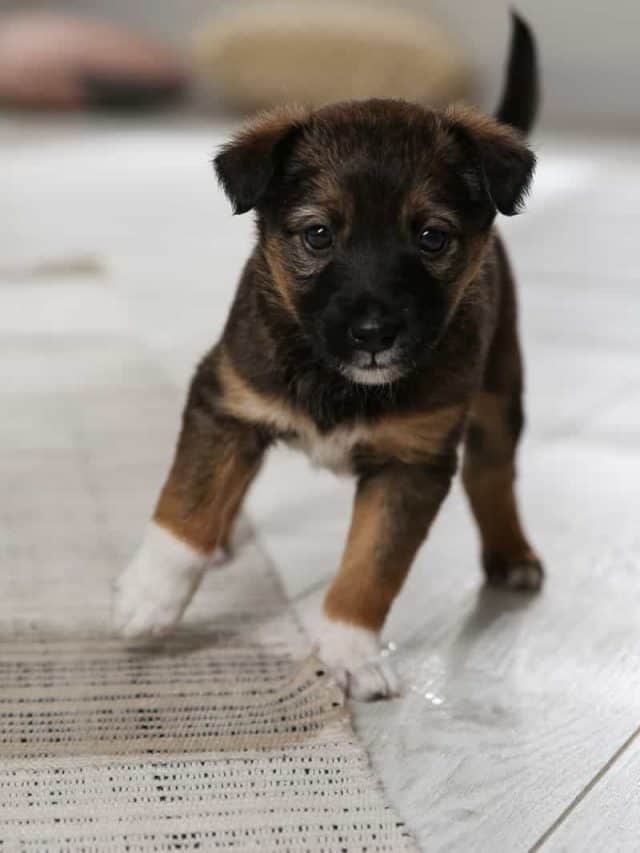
221	738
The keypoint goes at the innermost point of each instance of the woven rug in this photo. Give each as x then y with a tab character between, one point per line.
224	737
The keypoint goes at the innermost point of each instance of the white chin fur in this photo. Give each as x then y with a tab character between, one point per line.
153	591
371	375
353	656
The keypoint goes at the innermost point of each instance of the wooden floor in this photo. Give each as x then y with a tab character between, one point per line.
517	729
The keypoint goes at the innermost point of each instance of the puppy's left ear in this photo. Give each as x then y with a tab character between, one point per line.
501	164
246	164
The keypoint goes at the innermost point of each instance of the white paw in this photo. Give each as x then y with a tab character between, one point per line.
155	588
353	656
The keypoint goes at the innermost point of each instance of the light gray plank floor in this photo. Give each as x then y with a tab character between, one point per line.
516	711
606	817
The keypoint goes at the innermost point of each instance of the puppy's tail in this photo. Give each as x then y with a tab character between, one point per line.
520	97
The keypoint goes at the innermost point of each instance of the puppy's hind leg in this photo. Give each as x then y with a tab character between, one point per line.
216	459
489	474
495	425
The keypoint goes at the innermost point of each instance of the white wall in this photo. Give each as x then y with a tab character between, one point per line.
590	53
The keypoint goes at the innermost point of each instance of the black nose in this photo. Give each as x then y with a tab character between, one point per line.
374	335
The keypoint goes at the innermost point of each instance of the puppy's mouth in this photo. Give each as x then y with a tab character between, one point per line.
373	369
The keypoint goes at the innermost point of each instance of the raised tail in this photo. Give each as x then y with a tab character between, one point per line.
520	97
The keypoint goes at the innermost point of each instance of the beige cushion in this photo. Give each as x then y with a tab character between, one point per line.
262	54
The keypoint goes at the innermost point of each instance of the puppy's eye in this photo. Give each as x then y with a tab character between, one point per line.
318	238
433	240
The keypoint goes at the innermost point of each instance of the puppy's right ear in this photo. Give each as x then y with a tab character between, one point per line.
246	164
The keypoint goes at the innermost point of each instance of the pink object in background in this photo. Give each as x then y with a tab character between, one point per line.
54	61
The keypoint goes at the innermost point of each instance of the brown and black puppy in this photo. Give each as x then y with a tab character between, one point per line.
374	327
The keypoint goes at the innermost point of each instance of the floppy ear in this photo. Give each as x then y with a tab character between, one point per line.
501	165
247	163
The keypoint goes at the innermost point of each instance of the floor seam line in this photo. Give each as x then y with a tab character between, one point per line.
588	788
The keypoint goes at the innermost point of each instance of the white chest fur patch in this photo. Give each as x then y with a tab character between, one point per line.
332	450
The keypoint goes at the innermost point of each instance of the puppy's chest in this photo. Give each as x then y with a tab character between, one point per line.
410	438
327	449
333	450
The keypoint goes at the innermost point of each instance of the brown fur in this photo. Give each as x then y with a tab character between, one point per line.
205	524
279	276
216	459
392	514
415	438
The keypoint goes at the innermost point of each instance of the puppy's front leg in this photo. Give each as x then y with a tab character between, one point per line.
394	508
216	459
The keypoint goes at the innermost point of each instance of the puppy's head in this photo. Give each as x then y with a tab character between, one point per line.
374	218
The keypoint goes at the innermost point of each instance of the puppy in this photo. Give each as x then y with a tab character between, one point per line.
374	327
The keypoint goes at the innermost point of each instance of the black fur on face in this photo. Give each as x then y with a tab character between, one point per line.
373	218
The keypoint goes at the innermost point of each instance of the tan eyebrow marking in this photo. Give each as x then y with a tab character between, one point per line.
307	215
418	205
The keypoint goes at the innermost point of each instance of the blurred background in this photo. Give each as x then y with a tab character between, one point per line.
110	112
245	54
118	261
